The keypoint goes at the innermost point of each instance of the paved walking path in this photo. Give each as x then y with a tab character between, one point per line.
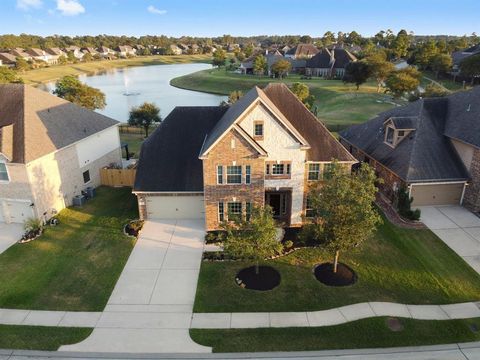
458	228
151	306
335	316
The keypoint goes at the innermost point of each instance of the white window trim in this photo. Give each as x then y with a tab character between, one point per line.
89	177
319	172
241	175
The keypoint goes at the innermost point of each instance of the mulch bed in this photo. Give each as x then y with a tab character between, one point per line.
343	277
392	215
266	279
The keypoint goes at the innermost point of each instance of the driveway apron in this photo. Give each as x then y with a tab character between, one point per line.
150	309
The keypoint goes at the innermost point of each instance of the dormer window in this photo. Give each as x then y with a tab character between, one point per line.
397	129
390	135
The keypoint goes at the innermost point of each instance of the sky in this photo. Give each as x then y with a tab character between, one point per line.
238	18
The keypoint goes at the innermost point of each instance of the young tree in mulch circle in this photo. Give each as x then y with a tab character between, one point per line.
144	116
344	214
253	239
73	90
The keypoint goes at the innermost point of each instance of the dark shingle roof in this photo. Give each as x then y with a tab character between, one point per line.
169	157
335	58
35	123
426	154
404	122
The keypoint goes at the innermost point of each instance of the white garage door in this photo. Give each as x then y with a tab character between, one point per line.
437	194
15	211
175	207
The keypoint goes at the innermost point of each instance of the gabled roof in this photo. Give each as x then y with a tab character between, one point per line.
323	145
169	157
426	154
334	58
235	112
54	51
303	50
404	122
34	123
8	58
35	52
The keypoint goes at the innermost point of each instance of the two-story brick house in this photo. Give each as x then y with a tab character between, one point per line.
219	162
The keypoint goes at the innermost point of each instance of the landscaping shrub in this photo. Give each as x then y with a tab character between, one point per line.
134	227
404	206
213	237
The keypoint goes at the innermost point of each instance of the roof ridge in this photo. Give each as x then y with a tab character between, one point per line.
417	132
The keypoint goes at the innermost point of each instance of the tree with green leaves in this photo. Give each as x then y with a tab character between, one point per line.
401	81
87	57
434	90
401	44
302	91
471	67
441	63
354	38
425	54
144	116
249	50
232	98
73	90
260	65
219	58
343	212
9	76
252	239
21	64
71	57
328	38
357	72
62	60
380	68
281	68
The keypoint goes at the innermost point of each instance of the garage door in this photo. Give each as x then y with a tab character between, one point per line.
15	211
175	207
445	194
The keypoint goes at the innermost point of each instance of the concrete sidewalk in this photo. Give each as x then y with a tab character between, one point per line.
458	228
335	316
151	306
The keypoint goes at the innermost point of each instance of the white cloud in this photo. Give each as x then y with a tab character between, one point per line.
153	10
29	4
70	7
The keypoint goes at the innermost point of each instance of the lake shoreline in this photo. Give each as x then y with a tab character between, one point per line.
52	73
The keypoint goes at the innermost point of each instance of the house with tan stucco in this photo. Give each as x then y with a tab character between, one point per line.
50	151
215	163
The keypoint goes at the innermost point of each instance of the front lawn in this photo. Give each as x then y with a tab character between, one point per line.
75	265
397	265
367	333
40	337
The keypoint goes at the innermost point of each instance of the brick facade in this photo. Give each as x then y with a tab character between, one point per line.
231	149
391	181
471	198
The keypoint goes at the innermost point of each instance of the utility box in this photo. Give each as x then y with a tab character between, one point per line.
90	191
79	200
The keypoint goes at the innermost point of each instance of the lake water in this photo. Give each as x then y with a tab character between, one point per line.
146	83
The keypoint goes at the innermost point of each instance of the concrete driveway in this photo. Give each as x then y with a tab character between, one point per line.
9	235
150	309
458	228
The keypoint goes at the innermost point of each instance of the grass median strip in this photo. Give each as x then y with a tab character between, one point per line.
40	337
367	333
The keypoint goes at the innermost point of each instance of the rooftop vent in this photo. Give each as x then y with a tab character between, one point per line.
469	107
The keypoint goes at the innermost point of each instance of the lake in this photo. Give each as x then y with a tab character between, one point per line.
132	86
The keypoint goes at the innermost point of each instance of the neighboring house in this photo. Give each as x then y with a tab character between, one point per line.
215	163
329	63
77	53
285	49
184	48
400	64
50	150
8	59
431	147
302	51
105	52
125	51
55	53
90	50
42	55
17	52
459	56
272	57
175	50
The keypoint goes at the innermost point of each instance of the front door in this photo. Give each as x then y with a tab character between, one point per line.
280	204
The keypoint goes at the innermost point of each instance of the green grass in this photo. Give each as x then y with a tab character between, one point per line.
75	265
367	333
40	337
397	265
134	142
331	95
446	82
55	72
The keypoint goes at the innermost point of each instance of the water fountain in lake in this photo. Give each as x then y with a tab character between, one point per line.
126	82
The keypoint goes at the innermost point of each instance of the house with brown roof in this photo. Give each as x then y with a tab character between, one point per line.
125	51
430	147
302	51
50	151
21	53
7	59
215	163
41	55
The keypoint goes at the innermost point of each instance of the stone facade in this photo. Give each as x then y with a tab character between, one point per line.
471	198
232	149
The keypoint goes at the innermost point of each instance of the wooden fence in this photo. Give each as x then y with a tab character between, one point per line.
117	177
